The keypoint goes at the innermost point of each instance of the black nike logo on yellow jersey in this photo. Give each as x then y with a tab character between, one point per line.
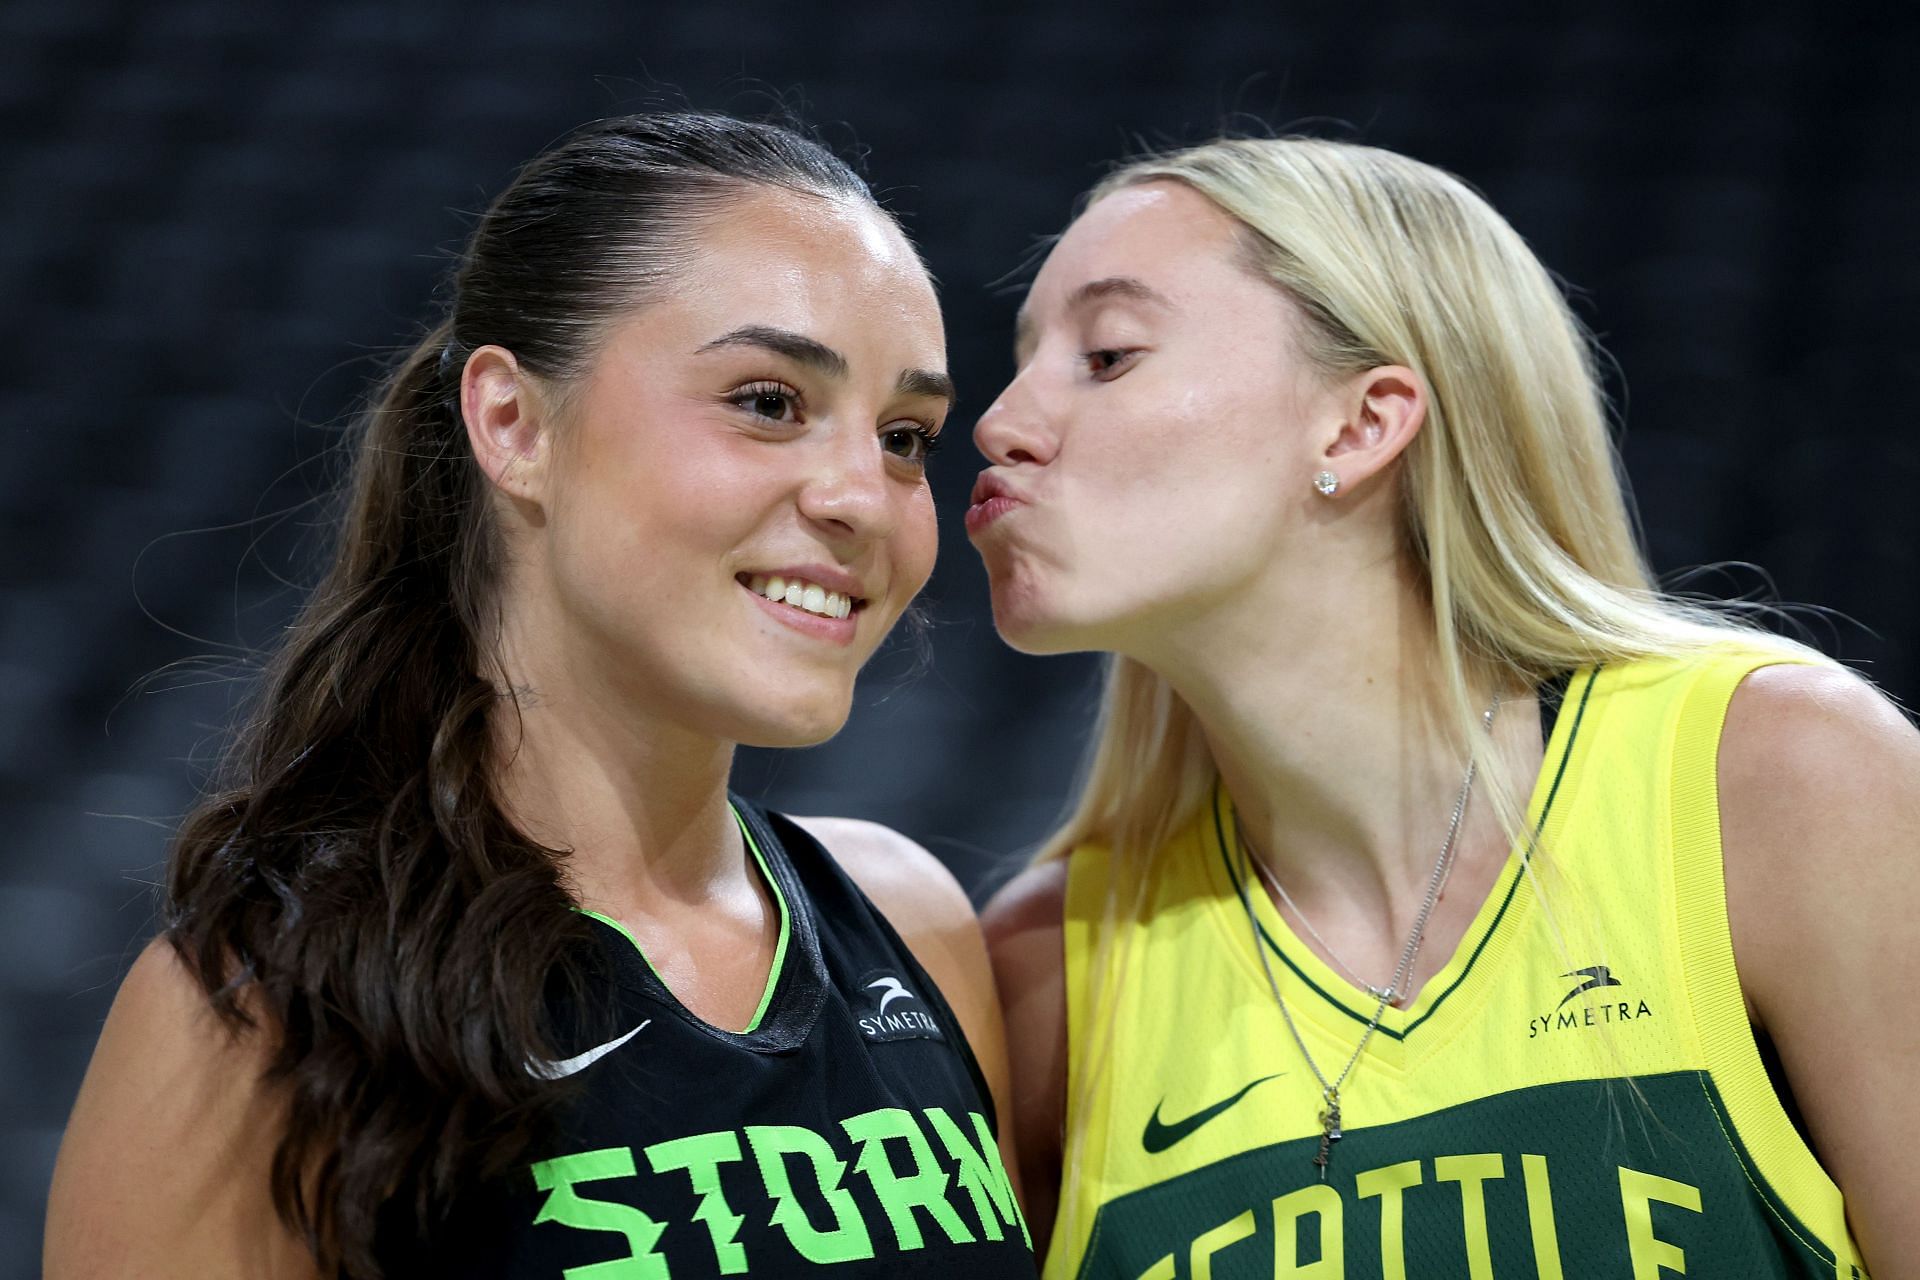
1158	1137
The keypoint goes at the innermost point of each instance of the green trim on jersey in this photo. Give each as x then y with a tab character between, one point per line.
1237	875
779	950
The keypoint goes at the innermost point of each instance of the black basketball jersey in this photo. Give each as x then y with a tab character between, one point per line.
846	1133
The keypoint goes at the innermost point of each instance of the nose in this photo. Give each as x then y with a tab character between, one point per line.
847	490
1014	428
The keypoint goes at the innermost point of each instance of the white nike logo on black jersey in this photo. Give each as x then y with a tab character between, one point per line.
581	1061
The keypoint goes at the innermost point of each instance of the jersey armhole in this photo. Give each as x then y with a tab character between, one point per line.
1754	1119
1084	917
961	1044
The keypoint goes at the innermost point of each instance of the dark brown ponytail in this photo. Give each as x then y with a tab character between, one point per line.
356	885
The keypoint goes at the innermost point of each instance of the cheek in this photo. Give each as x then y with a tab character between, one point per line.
1177	503
918	541
1158	476
640	512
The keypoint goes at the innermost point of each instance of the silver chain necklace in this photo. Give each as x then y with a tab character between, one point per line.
1391	993
1330	1131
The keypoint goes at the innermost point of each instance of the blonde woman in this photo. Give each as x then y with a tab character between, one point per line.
1441	899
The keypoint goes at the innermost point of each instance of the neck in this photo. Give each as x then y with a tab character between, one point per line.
1334	740
638	802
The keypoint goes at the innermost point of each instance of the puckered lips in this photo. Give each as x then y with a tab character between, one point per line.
816	600
993	497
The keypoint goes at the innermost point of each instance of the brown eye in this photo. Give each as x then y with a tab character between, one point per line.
1107	362
913	442
768	400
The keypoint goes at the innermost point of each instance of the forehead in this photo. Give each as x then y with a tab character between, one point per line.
836	269
1164	235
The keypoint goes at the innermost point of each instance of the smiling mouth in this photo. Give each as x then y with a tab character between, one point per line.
798	593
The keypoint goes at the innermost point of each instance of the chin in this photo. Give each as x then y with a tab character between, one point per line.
1030	614
1032	619
1029	631
804	726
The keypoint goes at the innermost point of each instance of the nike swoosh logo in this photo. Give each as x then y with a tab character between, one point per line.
564	1067
1158	1137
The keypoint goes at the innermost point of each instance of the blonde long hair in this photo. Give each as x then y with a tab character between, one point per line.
1515	512
1515	507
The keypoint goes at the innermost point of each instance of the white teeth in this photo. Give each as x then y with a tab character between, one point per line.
802	595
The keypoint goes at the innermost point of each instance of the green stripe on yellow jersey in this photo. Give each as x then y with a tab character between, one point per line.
1575	1095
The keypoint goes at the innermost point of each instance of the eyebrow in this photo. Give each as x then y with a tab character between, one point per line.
819	356
795	346
925	382
1131	288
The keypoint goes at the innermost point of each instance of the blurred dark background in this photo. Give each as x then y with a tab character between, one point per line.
219	215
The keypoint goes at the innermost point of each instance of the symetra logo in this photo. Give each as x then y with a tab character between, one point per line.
1158	1135
888	1009
1596	976
1589	1013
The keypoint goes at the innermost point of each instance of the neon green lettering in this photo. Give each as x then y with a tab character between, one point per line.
981	1173
848	1241
701	1155
925	1187
570	1209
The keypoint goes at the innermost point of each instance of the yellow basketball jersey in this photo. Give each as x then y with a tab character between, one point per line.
1576	1095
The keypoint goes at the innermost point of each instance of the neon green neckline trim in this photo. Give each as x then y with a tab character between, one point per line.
779	950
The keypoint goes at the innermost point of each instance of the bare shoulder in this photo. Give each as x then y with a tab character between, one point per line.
912	888
1023	924
1819	781
1034	900
1024	930
1820	827
164	1167
1816	754
1811	716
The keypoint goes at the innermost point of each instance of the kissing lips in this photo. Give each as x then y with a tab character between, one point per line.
992	498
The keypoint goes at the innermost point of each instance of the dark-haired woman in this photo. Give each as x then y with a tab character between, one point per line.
476	969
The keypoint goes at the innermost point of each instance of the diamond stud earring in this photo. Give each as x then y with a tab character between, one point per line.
1326	482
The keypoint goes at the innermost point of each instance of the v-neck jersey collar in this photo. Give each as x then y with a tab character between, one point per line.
796	986
1316	992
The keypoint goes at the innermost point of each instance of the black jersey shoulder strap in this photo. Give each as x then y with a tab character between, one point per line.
854	925
801	989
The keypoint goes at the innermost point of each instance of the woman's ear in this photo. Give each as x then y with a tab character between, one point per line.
1384	410
506	424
